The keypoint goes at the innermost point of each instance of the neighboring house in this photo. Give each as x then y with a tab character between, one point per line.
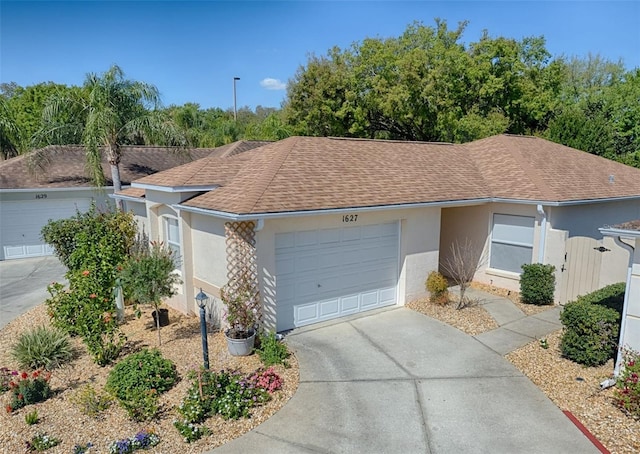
28	200
626	235
328	227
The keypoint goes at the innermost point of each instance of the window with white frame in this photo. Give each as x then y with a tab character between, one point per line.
172	236
511	242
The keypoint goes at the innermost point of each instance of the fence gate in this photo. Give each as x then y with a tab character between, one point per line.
580	272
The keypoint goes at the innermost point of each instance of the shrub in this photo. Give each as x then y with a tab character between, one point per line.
27	389
591	332
42	348
137	380
42	442
437	286
92	245
272	351
537	284
90	402
627	394
611	296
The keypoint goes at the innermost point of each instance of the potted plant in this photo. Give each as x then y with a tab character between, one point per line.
241	303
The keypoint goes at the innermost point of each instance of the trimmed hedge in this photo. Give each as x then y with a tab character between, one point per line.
592	326
537	284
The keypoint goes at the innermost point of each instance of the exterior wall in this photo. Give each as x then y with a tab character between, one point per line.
139	210
586	219
474	223
632	319
419	241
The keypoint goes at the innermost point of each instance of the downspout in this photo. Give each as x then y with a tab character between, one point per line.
543	233
625	305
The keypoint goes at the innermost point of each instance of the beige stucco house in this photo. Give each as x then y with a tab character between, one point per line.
328	227
626	235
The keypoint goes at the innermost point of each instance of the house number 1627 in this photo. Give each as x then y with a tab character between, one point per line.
350	218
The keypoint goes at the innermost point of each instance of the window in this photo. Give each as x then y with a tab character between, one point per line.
172	236
511	242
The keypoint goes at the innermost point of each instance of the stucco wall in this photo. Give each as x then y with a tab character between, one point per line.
586	219
419	241
209	249
474	223
632	328
139	210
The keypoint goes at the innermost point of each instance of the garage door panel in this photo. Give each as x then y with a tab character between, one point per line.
330	273
22	222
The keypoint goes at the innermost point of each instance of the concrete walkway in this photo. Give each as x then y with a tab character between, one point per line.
23	284
396	381
516	329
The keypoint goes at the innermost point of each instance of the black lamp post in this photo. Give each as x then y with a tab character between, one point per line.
202	299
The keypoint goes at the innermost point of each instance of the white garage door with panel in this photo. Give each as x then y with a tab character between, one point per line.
329	273
22	221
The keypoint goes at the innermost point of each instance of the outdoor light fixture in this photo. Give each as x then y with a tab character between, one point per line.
202	299
235	109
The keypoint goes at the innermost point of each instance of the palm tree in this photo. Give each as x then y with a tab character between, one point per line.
11	137
110	111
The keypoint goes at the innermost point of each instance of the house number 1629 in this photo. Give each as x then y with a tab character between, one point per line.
350	218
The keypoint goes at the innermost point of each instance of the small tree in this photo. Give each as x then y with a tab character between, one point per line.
150	277
461	265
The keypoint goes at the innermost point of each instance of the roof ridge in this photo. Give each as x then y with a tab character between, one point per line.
270	172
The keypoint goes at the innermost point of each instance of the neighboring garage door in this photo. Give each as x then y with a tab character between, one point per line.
330	273
22	221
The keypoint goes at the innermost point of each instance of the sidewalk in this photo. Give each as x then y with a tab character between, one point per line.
516	329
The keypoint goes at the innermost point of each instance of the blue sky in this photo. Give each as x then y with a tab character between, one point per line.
191	50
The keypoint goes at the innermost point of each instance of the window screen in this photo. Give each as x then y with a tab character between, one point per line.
511	242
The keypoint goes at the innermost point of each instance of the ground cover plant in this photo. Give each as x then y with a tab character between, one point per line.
138	379
627	396
272	351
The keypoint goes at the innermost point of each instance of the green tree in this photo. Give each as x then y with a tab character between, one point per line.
111	111
426	85
150	275
12	142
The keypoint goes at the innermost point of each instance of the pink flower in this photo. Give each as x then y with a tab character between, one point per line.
85	273
93	295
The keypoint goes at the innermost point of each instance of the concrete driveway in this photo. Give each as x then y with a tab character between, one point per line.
399	382
23	284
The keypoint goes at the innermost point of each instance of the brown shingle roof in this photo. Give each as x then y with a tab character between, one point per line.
531	168
66	166
630	225
312	173
137	193
316	173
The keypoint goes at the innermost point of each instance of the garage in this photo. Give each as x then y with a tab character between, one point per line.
22	221
329	273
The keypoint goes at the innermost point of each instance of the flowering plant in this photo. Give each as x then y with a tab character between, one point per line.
190	431
627	394
242	307
41	442
28	388
82	449
268	380
142	440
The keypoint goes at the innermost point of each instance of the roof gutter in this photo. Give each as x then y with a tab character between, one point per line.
287	214
443	204
617	235
153	187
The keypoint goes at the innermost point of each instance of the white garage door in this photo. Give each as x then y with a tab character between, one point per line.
22	221
329	273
